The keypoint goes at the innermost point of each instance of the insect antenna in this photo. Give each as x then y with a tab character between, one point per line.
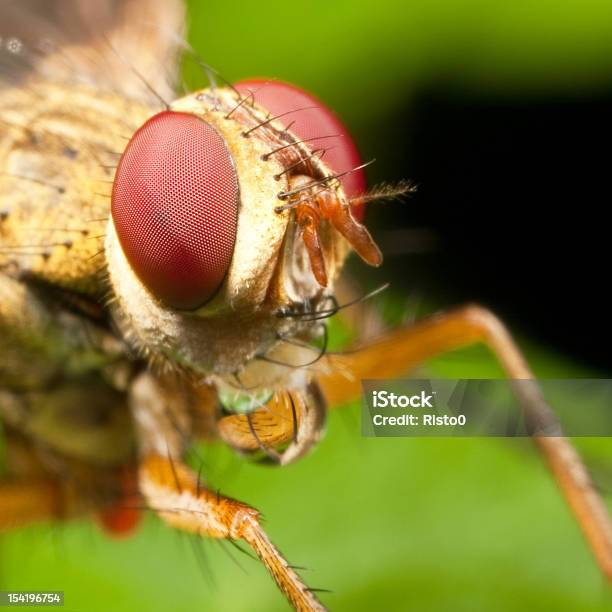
386	191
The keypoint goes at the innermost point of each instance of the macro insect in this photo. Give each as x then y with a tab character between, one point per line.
165	266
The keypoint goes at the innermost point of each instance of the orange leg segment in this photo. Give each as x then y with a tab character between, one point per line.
174	492
406	348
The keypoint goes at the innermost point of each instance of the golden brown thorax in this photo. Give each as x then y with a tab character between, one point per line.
58	149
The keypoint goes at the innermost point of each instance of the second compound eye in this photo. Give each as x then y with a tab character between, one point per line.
314	122
175	208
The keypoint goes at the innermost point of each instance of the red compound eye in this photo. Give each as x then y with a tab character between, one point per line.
341	155
175	208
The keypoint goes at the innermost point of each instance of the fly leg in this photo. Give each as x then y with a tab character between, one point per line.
174	492
403	349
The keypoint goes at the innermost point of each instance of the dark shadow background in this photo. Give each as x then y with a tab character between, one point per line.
515	195
498	111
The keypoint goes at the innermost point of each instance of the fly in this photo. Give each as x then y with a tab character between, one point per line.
166	263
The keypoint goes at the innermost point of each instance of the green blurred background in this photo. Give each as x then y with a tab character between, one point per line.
391	524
